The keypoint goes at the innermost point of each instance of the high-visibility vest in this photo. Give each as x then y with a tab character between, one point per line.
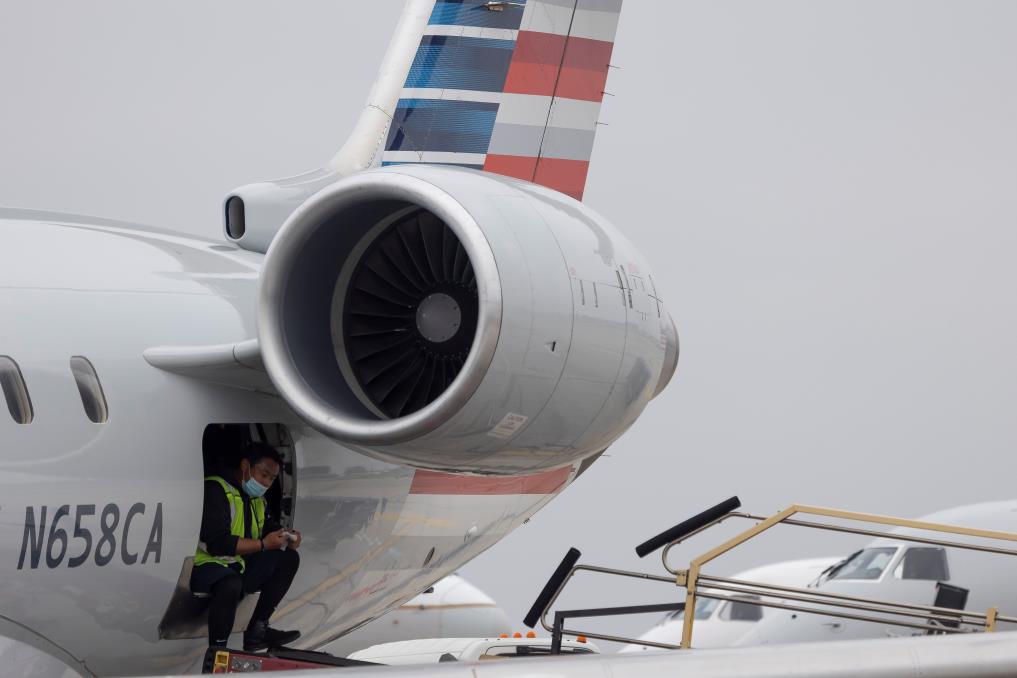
237	524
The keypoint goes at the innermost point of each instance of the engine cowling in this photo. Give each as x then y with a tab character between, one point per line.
450	319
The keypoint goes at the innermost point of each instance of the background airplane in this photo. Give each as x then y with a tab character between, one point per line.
885	569
724	623
906	572
452	608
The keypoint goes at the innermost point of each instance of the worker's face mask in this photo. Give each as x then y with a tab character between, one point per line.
253	488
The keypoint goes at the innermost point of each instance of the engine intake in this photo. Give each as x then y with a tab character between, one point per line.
355	318
407	315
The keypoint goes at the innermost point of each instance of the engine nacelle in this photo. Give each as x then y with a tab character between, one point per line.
450	319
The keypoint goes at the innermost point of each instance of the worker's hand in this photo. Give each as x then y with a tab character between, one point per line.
295	544
274	540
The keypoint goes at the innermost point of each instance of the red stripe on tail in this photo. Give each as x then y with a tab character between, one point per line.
517	166
564	176
551	65
535	63
584	71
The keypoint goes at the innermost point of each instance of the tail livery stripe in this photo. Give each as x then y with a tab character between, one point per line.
476	13
522	128
592	19
516	91
447	62
423	125
543	65
564	176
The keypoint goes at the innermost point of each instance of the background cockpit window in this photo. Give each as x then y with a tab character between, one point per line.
927	563
737	610
866	564
704	608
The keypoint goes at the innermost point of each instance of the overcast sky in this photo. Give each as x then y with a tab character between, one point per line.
827	192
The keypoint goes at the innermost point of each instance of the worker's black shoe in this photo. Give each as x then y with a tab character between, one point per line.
259	636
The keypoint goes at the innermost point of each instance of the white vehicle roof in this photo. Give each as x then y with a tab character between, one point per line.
431	650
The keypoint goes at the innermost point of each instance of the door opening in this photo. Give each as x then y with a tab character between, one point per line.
222	447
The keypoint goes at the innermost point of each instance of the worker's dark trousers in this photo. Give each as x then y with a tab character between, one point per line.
270	572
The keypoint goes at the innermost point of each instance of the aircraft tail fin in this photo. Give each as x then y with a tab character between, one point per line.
513	88
508	87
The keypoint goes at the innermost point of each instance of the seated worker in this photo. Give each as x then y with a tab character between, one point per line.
243	550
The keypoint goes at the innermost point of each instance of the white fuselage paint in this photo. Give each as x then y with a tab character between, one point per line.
109	291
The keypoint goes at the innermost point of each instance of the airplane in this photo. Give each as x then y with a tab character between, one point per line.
724	623
905	572
433	330
452	608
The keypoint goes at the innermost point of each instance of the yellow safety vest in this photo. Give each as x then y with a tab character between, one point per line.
237	524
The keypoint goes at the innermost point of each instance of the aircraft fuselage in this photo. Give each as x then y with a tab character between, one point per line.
98	519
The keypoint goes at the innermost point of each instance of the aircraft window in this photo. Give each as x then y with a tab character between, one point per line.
704	608
923	563
737	611
15	391
866	564
90	390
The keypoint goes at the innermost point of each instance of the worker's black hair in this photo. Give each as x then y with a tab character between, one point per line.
255	451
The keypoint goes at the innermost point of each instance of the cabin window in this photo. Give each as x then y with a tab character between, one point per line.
928	563
12	383
90	390
865	564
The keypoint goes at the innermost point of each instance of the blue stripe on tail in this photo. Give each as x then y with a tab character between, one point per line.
448	62
442	125
473	13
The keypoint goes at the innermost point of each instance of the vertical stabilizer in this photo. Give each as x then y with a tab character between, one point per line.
513	88
362	148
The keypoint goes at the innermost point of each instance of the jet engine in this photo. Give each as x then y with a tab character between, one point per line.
446	318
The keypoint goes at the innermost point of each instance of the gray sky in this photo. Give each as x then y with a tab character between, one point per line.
826	191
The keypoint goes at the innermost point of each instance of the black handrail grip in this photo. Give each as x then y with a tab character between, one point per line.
551	587
683	528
